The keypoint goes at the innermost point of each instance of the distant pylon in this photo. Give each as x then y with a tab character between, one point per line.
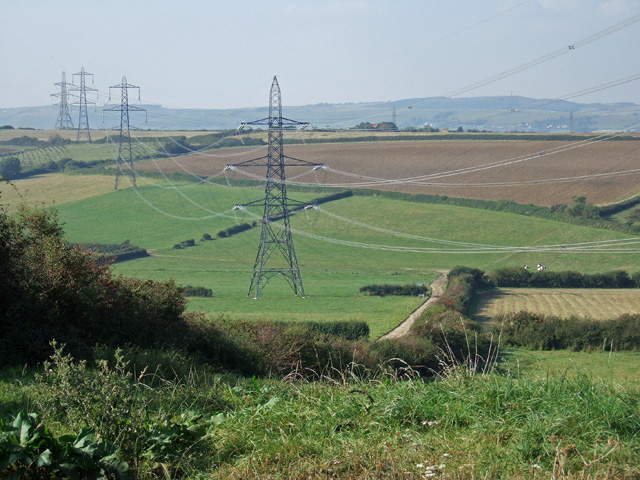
64	121
125	134
273	236
83	122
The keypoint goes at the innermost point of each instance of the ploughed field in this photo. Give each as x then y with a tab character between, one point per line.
525	171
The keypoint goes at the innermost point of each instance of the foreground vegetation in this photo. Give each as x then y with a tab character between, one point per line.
465	424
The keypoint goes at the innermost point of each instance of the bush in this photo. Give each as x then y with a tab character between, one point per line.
456	337
10	167
52	289
228	232
348	330
118	252
544	332
518	277
411	290
191	291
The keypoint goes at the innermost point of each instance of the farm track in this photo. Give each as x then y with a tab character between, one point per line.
437	287
409	159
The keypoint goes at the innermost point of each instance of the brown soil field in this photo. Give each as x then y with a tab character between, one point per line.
494	162
7	150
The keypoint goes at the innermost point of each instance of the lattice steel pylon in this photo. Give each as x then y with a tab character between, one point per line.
83	122
125	133
275	232
64	121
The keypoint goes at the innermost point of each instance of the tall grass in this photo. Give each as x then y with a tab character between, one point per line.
460	425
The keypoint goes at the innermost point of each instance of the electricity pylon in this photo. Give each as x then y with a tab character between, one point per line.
83	122
275	237
64	121
125	134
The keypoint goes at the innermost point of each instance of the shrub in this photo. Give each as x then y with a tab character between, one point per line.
407	354
118	252
191	291
348	330
113	402
10	167
387	289
234	230
543	332
456	337
52	289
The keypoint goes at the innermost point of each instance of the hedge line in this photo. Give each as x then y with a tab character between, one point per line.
120	252
523	278
410	290
542	332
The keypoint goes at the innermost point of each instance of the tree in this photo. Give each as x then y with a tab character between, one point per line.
10	167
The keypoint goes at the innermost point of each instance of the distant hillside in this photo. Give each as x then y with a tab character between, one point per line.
497	114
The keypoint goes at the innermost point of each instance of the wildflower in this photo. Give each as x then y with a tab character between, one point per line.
446	455
420	465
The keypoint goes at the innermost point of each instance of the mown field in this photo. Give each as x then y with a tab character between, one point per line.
509	161
593	303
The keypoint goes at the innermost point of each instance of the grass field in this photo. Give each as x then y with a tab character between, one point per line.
593	302
619	368
158	218
50	190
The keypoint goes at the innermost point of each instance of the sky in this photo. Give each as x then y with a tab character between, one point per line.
224	54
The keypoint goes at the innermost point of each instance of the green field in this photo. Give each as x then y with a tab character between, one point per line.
156	218
159	215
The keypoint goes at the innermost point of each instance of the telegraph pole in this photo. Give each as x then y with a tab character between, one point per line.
64	121
125	134
275	237
83	122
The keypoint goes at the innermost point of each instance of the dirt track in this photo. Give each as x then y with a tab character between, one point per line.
437	287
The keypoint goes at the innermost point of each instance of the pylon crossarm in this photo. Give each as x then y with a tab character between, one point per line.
248	163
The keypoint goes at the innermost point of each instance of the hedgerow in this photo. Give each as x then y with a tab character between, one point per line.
544	332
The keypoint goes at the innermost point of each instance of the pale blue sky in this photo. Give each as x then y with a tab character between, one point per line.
223	54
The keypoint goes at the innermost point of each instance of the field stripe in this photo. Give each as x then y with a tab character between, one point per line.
601	304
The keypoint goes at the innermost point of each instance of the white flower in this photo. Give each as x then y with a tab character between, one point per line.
420	465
